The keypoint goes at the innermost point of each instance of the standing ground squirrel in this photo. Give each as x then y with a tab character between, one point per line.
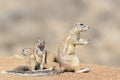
66	51
36	58
43	56
39	57
40	53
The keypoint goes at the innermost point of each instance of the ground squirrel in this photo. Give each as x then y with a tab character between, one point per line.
39	57
40	53
66	51
43	56
30	58
36	58
28	54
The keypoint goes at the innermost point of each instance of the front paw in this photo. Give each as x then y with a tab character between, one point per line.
84	41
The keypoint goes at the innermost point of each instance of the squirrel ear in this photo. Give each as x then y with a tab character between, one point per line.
43	41
74	25
38	40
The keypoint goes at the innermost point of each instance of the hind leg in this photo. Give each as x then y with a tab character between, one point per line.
76	66
60	70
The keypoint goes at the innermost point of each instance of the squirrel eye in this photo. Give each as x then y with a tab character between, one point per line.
81	24
23	50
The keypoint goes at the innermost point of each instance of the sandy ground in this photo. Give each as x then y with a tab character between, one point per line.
97	72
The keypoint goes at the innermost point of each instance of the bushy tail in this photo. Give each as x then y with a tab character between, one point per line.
24	70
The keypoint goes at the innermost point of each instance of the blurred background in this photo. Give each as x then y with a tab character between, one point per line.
22	22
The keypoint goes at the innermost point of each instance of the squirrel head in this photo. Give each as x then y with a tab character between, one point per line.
80	27
26	51
40	43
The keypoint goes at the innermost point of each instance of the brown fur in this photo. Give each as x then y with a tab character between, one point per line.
66	51
40	52
35	57
28	53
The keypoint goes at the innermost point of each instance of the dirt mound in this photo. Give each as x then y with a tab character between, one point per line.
97	72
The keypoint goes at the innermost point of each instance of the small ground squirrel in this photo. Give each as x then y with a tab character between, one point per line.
40	52
66	51
36	57
29	56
